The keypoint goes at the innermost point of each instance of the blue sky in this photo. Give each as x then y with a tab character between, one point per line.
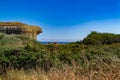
64	20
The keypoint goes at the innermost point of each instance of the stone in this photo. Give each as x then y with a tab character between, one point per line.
20	28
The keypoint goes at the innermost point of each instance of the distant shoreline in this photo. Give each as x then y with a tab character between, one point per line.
55	42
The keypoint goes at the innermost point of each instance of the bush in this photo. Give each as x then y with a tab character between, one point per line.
34	54
101	38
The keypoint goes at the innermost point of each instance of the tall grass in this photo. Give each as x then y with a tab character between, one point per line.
68	73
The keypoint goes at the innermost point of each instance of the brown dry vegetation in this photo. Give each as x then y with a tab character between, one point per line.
68	73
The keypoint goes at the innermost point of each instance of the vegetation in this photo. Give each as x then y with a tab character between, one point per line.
101	38
25	59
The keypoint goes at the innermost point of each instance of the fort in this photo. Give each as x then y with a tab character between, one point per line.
20	28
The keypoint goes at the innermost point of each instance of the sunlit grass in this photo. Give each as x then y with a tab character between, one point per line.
68	73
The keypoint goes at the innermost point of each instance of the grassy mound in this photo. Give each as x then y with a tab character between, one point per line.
13	40
101	38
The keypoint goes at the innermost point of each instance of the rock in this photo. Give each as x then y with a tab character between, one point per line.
20	28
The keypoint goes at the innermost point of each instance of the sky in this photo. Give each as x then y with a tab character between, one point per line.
64	20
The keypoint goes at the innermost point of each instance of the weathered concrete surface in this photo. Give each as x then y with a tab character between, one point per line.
20	28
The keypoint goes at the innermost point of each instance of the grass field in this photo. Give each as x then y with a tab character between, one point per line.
25	59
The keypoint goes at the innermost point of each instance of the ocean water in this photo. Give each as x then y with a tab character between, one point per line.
55	42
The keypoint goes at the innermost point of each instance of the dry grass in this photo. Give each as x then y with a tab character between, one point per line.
68	73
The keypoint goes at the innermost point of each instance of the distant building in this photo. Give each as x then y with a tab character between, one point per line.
20	28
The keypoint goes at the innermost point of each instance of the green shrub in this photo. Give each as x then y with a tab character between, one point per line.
101	38
34	54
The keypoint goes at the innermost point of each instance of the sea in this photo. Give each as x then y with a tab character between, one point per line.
55	42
